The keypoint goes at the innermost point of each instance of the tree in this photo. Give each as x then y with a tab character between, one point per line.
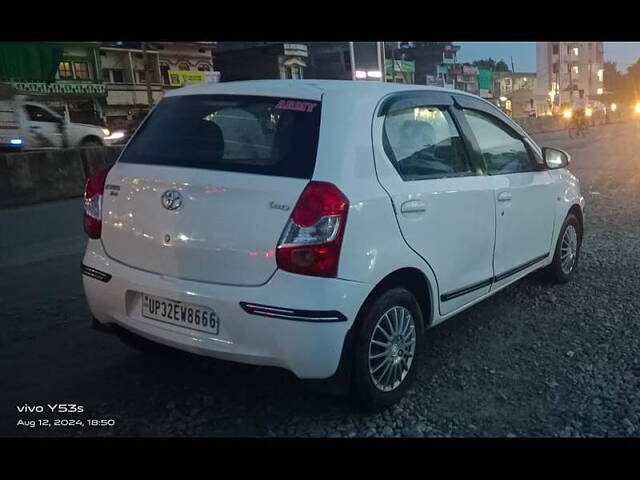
632	81
428	44
499	66
502	66
485	63
633	70
613	80
622	87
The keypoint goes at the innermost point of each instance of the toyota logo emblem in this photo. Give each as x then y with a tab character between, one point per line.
172	199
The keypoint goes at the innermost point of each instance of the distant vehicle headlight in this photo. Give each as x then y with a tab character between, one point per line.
567	113
638	107
588	112
115	136
614	107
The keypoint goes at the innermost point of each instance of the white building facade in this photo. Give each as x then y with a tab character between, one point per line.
123	71
564	68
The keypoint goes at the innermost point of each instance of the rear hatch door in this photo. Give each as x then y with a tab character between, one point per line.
204	189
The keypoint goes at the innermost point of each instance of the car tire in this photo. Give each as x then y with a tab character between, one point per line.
377	369
567	251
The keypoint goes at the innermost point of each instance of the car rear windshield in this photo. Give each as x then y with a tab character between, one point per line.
263	135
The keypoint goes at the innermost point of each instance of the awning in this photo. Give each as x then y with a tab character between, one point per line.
74	89
29	61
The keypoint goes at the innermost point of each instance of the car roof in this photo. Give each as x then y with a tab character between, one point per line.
309	89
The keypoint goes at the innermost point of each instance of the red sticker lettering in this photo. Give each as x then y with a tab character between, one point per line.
296	105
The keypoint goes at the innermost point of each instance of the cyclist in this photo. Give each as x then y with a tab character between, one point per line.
579	107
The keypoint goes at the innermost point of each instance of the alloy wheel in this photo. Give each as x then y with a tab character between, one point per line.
392	348
569	249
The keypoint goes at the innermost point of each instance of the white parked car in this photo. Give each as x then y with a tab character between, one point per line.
322	226
26	125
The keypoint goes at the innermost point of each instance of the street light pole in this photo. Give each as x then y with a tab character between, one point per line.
353	61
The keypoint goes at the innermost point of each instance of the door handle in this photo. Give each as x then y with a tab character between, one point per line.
504	196
413	206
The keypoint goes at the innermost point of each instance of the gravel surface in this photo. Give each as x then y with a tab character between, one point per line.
533	360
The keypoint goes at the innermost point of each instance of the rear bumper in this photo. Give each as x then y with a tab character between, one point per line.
293	321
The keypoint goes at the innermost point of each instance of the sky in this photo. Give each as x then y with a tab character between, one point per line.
524	53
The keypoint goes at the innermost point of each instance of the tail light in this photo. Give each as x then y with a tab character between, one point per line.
310	243
93	191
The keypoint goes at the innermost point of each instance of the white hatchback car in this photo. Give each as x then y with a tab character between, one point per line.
321	226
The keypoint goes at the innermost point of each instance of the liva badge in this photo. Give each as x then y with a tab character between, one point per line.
296	105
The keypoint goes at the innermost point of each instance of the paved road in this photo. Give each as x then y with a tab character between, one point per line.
534	360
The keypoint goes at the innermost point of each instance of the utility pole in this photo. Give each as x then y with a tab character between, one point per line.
352	56
147	74
393	63
570	77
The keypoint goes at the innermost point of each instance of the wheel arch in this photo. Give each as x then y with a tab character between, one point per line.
577	211
413	280
90	138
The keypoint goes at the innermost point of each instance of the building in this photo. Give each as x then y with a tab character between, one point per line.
505	83
515	92
103	81
465	77
124	72
485	83
456	75
175	57
134	88
258	60
399	71
67	76
333	60
563	68
430	58
321	60
329	60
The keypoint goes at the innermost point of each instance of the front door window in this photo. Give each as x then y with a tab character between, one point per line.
502	151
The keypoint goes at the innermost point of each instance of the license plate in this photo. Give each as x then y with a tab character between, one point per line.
182	314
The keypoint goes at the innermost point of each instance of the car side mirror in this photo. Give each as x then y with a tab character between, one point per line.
555	158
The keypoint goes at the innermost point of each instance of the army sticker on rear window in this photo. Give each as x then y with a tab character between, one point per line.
296	105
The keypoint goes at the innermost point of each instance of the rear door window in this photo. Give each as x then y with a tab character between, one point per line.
263	135
424	143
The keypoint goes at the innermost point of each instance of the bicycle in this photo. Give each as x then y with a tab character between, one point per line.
577	125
